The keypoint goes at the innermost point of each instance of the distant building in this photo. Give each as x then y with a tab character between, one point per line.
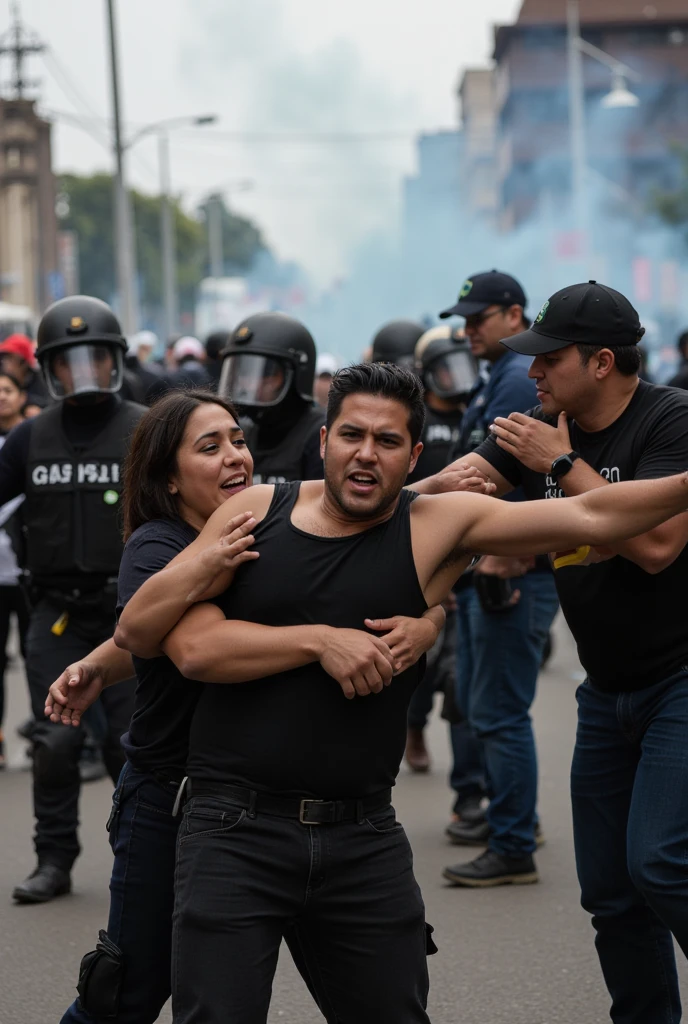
478	169
631	149
432	219
28	225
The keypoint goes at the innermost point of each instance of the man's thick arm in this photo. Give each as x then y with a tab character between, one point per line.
602	516
654	550
206	646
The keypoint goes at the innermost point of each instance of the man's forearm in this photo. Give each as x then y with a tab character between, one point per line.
240	652
643	549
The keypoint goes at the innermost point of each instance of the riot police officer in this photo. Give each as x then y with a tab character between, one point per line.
395	342
448	370
67	462
268	371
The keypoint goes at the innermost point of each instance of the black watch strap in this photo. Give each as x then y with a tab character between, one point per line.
562	465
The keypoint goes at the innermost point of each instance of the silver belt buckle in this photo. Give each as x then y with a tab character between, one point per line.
303	810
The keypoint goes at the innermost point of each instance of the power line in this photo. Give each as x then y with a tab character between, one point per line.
317	138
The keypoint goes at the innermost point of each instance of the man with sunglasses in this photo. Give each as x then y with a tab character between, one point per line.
505	610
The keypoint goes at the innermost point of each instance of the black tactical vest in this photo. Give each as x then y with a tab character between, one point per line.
440	435
283	463
73	499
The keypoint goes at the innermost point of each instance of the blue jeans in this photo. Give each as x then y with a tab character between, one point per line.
629	787
499	661
143	836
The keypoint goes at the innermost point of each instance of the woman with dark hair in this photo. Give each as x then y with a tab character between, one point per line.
187	456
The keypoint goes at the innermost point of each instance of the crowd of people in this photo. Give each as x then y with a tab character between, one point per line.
248	572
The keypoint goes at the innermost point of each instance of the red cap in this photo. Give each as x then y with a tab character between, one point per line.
20	346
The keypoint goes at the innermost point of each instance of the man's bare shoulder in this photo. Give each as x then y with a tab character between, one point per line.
254	499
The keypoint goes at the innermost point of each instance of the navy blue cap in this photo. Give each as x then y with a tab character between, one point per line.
493	288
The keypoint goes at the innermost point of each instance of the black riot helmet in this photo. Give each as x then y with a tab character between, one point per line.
80	347
270	356
445	363
396	342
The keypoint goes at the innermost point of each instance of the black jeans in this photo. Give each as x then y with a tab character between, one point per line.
347	890
12	602
56	748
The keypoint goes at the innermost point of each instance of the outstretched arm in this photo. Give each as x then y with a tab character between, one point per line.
470	523
82	682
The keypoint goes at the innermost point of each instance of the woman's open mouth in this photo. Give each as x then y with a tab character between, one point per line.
234	484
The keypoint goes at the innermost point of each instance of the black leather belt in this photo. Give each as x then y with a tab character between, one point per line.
307	811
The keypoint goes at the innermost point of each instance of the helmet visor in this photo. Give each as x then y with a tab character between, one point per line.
83	370
254	380
452	375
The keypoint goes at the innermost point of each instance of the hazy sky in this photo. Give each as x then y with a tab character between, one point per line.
272	66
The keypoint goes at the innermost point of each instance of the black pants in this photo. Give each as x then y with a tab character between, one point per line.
56	748
347	890
12	602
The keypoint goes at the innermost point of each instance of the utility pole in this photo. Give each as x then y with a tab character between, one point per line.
123	234
214	210
577	121
167	234
19	45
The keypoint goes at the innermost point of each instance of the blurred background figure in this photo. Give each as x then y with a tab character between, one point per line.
137	362
190	358
12	599
215	343
325	368
17	357
395	342
680	379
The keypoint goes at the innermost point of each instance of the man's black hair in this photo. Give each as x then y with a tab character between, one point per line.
385	380
627	358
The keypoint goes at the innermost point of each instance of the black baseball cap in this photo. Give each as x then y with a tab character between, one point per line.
482	290
582	314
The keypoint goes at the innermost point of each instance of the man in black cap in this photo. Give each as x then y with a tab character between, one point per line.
598	423
504	610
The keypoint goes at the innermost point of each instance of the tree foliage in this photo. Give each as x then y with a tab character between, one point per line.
672	206
88	210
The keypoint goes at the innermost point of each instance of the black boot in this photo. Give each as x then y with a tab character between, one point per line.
46	882
461	833
492	868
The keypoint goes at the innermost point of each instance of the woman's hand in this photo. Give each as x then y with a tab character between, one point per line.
359	662
215	566
408	639
72	693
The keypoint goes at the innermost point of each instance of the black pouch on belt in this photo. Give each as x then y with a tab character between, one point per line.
100	979
493	592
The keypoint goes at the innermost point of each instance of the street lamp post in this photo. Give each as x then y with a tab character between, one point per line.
618	97
123	237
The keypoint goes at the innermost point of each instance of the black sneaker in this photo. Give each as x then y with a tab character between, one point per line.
462	833
491	868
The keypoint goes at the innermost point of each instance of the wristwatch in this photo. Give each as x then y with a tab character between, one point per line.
562	465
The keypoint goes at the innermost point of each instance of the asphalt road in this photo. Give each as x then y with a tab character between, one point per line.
513	955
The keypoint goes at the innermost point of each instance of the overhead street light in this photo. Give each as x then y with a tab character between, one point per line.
618	98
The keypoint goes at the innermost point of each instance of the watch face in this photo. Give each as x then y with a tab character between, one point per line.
561	466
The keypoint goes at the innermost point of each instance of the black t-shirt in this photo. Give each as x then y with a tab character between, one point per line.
629	625
158	736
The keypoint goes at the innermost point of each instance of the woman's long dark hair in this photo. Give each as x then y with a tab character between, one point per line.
152	457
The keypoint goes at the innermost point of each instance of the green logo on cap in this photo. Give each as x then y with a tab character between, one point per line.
541	315
111	497
465	289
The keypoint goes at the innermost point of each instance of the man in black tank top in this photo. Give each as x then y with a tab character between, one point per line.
289	820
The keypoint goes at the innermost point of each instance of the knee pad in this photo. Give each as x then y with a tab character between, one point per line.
100	979
55	756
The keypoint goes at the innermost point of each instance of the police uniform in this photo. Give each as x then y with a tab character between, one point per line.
68	463
268	370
